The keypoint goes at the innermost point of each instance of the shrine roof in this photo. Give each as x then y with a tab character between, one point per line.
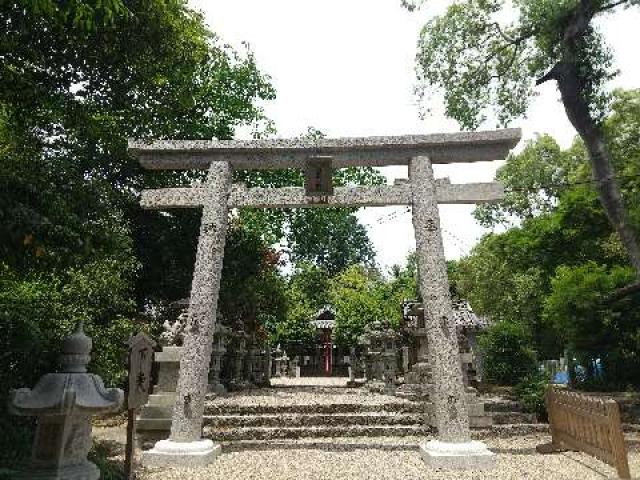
347	151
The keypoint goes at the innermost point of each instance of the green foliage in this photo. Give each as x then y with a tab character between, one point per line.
534	178
356	296
530	392
553	270
77	79
251	290
486	67
508	357
593	329
361	296
331	238
306	293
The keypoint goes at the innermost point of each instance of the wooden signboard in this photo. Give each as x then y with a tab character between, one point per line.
140	363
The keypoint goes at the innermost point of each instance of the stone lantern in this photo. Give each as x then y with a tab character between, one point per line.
64	403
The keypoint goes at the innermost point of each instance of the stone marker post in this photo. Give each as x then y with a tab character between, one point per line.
185	445
454	448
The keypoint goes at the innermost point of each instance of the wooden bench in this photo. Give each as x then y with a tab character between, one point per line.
588	424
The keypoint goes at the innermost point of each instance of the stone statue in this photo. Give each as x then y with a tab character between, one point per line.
173	334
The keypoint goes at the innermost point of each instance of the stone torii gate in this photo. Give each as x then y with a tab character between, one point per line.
454	448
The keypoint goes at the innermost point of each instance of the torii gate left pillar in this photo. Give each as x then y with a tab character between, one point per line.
185	444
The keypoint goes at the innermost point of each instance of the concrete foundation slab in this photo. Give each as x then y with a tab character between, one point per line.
472	455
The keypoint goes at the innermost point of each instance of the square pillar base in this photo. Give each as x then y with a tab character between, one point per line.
470	455
181	454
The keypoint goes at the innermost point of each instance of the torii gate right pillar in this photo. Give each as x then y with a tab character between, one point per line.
454	448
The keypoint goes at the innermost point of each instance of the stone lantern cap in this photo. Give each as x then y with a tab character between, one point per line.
72	391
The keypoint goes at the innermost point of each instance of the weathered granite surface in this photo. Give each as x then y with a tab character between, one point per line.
452	418
194	364
295	197
294	153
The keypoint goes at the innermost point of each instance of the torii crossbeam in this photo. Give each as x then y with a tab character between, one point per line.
217	195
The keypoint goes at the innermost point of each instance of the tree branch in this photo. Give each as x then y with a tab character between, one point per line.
623	292
552	74
611	6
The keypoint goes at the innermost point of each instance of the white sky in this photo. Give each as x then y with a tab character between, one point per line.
346	67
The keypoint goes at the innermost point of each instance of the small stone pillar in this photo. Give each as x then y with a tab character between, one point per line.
217	351
294	367
259	378
266	365
277	362
389	359
454	448
284	364
352	367
64	404
154	419
238	361
250	360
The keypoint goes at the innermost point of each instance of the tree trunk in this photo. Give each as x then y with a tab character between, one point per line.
610	196
602	167
570	83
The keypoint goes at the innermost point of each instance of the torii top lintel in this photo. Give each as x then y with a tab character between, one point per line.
346	152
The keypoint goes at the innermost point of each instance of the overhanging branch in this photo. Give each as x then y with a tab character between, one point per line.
623	293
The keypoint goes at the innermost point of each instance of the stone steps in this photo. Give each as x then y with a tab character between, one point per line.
259	435
278	433
508	418
234	409
320	414
290	420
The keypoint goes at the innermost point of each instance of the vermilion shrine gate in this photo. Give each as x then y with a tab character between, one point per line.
454	448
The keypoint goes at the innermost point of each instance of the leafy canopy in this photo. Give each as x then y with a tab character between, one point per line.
485	56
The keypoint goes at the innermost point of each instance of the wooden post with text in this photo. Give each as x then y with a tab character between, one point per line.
140	363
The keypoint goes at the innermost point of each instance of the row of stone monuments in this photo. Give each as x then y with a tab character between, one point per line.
398	362
238	362
388	358
393	361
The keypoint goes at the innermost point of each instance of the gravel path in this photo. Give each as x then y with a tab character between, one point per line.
365	458
391	459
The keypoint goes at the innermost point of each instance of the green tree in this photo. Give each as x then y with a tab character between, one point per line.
76	80
594	331
357	294
556	272
508	357
307	291
479	60
331	238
